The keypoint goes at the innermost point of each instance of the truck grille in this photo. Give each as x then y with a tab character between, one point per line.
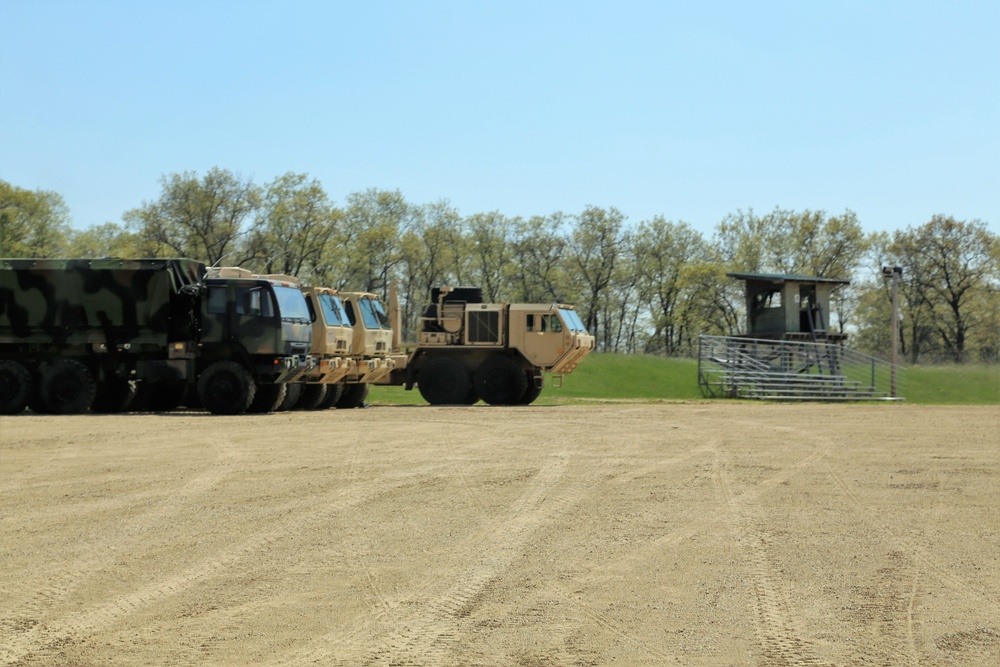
484	326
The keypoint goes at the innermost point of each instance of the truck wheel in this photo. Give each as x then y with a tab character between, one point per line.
353	396
443	381
113	395
293	394
333	394
269	398
532	392
15	387
226	388
312	396
67	387
501	381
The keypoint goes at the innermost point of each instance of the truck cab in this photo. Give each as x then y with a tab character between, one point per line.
551	337
372	338
263	323
332	335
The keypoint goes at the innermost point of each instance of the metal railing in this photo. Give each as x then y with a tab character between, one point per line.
730	366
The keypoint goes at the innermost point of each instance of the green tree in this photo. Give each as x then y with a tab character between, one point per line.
490	245
813	244
539	250
200	218
740	241
663	251
712	305
367	249
430	246
596	246
107	240
294	226
33	223
949	265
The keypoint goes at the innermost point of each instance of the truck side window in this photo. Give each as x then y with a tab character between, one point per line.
542	323
254	301
217	300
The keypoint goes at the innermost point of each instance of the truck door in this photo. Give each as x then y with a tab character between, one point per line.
544	338
242	313
255	319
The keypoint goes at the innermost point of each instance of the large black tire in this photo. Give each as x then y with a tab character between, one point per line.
269	398
226	388
354	396
532	392
113	395
312	396
15	387
293	392
444	381
333	394
501	381
67	387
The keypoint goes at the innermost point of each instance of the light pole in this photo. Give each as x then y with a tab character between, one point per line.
894	274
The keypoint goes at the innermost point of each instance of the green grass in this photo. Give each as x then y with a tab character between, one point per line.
965	384
617	377
599	376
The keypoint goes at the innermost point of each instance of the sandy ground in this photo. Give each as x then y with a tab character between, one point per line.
706	533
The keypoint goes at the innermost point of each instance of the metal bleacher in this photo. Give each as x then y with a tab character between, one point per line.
787	370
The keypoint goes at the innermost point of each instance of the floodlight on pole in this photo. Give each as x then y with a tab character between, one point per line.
893	274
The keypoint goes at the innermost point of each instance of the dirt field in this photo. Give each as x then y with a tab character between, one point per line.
678	534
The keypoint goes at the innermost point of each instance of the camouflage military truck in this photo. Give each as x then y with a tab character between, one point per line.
322	386
371	346
497	352
84	333
260	324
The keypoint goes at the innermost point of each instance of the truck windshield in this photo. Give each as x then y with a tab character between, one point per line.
368	313
572	320
291	304
383	319
333	310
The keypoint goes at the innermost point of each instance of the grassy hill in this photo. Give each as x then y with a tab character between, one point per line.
645	378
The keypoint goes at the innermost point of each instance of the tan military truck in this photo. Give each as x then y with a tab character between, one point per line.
497	352
332	336
371	346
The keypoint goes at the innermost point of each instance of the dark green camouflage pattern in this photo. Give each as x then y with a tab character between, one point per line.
95	324
84	301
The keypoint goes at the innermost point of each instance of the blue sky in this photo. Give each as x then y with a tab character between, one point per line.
681	109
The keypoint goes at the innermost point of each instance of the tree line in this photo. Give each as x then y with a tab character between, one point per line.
650	287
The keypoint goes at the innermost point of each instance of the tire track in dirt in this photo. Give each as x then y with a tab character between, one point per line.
39	637
914	549
778	633
426	633
335	645
889	612
95	557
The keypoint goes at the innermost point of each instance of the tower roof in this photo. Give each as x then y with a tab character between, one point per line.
787	278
